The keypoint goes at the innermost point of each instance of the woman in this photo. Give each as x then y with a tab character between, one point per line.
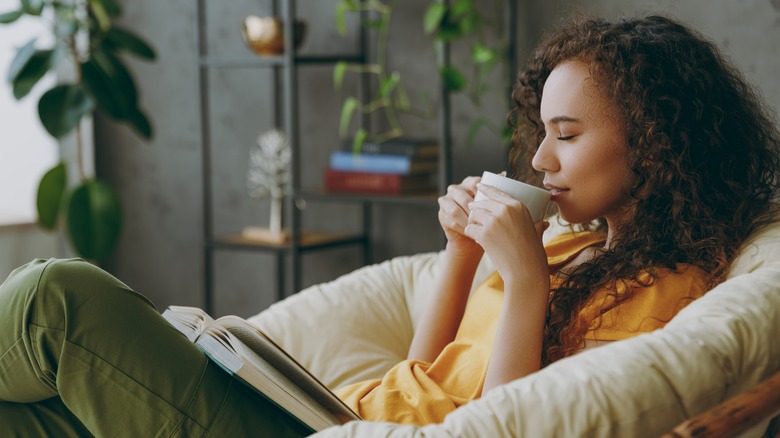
638	124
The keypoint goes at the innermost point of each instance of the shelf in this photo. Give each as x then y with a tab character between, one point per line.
252	61
309	241
422	199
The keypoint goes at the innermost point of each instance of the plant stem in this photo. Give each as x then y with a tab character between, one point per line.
79	54
381	55
80	152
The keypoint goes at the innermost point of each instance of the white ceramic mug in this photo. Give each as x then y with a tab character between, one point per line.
534	198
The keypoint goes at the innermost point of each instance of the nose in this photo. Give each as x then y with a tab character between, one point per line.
544	158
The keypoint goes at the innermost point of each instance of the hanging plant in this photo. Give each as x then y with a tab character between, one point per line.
85	35
488	45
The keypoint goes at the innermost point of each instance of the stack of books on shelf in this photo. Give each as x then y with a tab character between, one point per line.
395	167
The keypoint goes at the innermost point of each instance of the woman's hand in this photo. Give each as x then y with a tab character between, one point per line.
454	216
503	227
447	302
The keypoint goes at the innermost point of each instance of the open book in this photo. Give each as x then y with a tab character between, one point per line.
245	352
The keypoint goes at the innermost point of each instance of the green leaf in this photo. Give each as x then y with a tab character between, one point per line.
481	54
462	8
32	7
49	197
341	20
378	24
94	215
100	14
388	84
10	17
62	107
350	105
339	70
129	42
402	101
21	59
448	29
357	142
469	24
506	135
433	17
36	67
112	7
452	78
109	81
140	122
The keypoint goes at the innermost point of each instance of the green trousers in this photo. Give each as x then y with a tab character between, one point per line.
83	355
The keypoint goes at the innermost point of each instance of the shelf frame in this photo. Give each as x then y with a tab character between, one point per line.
285	77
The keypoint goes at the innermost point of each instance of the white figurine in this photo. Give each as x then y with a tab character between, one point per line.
269	174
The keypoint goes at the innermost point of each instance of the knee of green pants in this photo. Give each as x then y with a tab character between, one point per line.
42	301
20	380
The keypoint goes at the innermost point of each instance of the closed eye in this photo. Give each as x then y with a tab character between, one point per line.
565	137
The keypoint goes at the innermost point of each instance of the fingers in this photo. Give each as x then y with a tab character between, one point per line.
452	215
498	207
453	206
493	193
470	184
541	227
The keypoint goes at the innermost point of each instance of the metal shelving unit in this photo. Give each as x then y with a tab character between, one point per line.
285	104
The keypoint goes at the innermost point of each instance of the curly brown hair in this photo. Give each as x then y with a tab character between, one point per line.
701	142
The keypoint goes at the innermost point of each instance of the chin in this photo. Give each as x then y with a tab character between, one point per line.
574	218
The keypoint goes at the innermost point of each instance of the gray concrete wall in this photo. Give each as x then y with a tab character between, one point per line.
747	31
21	243
160	252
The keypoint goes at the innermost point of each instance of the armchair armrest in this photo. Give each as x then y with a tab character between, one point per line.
735	415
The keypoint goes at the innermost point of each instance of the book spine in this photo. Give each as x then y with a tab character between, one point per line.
361	182
392	148
392	164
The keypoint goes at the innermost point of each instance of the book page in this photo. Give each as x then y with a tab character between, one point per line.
266	380
283	386
189	320
263	346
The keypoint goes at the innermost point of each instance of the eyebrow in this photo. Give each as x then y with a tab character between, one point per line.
561	119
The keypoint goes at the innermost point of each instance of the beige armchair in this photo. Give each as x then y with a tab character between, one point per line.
358	326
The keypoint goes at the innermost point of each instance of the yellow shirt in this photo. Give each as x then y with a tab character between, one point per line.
416	392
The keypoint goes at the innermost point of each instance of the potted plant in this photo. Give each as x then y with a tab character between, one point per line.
88	42
391	98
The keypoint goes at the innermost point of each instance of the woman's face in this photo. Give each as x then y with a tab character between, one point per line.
584	151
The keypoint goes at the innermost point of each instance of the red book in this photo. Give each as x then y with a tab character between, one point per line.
341	181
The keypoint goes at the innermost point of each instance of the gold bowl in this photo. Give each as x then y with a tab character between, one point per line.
265	35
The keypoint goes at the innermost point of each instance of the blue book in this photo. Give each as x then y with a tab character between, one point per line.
380	163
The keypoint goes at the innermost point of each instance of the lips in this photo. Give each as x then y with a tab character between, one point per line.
555	191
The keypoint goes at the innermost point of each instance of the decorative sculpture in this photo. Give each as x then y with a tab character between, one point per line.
269	175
